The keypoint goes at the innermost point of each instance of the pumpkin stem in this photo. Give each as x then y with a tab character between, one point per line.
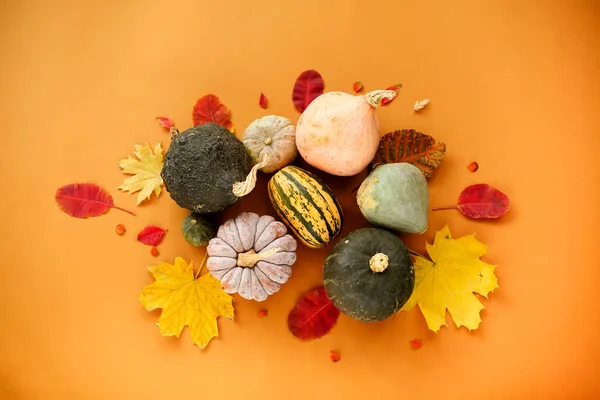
240	189
250	258
374	98
379	262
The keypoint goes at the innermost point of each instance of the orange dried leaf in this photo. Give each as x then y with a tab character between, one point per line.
473	166
120	229
334	356
209	108
395	88
408	145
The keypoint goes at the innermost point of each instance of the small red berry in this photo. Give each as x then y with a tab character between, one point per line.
154	251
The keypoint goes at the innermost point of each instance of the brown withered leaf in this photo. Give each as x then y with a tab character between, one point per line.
411	146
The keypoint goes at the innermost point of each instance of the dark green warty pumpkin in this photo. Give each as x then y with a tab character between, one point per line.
201	166
369	274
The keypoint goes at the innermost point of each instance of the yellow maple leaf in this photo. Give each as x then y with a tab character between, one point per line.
186	299
145	169
449	279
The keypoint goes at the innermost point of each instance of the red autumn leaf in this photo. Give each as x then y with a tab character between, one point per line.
262	101
395	88
165	122
313	315
416	343
82	200
151	235
473	166
309	85
334	356
480	201
209	108
357	87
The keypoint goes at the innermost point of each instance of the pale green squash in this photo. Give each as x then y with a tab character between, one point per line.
395	196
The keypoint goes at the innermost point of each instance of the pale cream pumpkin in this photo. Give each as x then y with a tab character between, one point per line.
271	142
271	138
252	256
338	133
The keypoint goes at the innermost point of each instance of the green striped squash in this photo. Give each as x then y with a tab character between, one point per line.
306	205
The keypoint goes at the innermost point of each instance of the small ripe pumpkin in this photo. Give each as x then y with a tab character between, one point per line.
197	229
395	196
271	142
274	138
369	275
252	255
306	205
201	166
339	132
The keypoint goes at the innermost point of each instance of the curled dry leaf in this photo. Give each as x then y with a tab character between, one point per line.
165	122
395	88
209	108
151	235
186	299
473	166
83	200
313	316
145	169
480	201
120	229
457	263
309	85
334	356
357	87
262	101
420	104
410	146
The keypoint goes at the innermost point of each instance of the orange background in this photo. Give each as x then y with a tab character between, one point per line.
513	85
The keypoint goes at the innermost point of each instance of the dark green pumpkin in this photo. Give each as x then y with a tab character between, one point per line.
198	229
201	166
351	280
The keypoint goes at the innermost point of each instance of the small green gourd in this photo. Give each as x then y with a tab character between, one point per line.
198	229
